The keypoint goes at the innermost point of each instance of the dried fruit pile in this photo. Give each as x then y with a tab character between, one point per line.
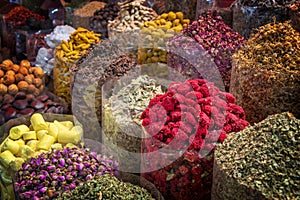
266	72
66	55
210	31
60	171
26	104
188	121
260	162
155	34
23	77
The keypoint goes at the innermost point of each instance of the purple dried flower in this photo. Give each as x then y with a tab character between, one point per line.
58	172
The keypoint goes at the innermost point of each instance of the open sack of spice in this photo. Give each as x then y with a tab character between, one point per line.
182	127
266	72
214	43
248	15
30	136
103	62
260	162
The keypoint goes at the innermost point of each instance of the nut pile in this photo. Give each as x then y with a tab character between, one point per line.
266	72
14	106
183	127
155	34
101	17
67	54
60	171
210	31
107	187
22	77
82	15
124	30
260	162
248	15
101	63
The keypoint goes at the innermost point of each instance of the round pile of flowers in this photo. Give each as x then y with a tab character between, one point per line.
188	120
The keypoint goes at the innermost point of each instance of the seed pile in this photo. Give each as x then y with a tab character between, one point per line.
218	39
103	62
101	18
260	162
251	14
107	187
60	171
266	72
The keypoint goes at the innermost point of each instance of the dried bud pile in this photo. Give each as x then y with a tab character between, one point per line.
191	118
266	72
60	171
260	162
251	14
107	187
99	21
210	31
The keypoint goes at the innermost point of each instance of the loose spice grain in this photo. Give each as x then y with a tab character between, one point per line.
266	73
260	162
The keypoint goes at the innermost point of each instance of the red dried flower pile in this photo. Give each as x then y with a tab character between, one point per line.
187	121
210	31
20	14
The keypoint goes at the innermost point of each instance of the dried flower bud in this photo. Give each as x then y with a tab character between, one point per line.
23	85
13	89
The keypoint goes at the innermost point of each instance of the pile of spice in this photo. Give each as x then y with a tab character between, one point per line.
107	187
260	162
248	15
30	136
20	14
124	30
187	7
154	36
60	171
188	120
45	55
82	15
122	124
210	31
67	54
101	63
266	72
294	11
101	17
